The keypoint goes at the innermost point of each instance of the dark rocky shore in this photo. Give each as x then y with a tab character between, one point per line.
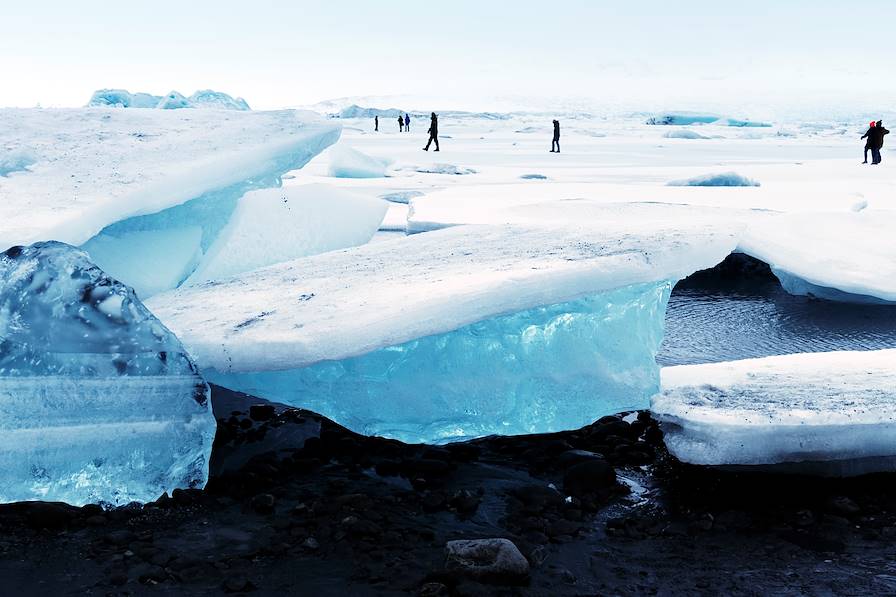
299	505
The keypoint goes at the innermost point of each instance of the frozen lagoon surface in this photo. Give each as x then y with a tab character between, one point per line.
99	402
610	182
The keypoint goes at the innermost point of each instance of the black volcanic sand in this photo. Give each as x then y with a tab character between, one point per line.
299	505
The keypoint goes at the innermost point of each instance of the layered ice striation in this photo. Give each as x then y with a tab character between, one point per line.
544	369
99	402
830	413
457	333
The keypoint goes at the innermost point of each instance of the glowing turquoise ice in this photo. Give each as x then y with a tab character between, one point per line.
545	369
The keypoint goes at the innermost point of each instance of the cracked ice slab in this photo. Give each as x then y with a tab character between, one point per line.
831	413
457	333
92	167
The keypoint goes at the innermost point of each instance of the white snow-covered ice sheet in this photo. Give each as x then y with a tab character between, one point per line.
837	408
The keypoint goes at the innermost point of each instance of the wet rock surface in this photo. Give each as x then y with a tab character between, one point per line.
298	504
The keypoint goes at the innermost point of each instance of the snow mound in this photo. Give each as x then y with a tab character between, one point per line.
684	134
833	413
174	101
401	196
346	162
274	225
99	402
725	179
508	328
206	98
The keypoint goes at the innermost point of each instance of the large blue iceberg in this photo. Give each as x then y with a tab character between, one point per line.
544	369
99	402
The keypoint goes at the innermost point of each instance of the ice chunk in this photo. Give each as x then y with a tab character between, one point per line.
121	98
206	98
99	402
16	161
549	368
174	101
682	118
552	308
273	225
444	169
346	162
847	256
738	122
835	409
724	179
150	260
684	134
95	167
401	196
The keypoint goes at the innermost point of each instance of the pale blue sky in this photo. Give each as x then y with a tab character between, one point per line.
57	52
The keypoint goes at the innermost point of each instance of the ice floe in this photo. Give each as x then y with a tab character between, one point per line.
829	413
346	162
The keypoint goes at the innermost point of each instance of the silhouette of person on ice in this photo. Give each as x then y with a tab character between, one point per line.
433	132
868	135
400	124
376	123
407	123
556	140
878	141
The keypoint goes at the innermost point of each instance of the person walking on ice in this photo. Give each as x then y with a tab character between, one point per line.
878	138
376	123
407	123
433	132
556	141
868	135
400	124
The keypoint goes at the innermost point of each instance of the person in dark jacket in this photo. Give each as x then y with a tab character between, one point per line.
407	123
879	133
433	132
376	123
868	134
556	141
400	124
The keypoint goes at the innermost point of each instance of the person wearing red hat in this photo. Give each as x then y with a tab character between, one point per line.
868	135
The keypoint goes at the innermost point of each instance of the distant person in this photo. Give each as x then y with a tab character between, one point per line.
376	123
879	133
400	124
407	123
869	134
433	132
556	141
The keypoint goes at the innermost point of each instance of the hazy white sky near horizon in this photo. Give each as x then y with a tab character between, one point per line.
280	53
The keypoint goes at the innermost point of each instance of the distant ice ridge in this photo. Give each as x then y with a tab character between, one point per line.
204	98
828	413
685	118
136	193
99	402
346	162
381	337
724	179
355	111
